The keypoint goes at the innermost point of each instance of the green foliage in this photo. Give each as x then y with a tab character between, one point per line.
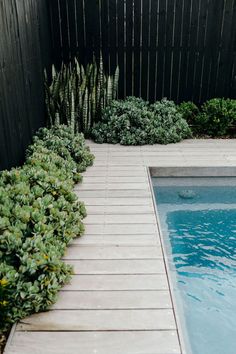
168	125
76	95
67	145
135	122
189	112
5	294
216	116
40	215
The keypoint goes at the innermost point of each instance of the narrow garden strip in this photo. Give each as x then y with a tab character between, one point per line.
40	215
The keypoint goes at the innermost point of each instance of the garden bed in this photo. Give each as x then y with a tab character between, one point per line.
40	215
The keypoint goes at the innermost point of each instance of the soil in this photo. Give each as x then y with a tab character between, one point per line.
2	342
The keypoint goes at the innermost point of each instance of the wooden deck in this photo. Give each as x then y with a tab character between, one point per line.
118	301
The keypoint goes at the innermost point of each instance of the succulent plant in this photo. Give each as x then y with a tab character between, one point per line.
76	95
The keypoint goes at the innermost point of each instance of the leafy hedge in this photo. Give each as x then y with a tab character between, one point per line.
189	112
135	122
214	118
40	215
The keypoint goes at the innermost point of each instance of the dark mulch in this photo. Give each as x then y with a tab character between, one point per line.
2	342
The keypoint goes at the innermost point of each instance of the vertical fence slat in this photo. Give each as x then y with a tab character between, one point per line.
129	47
184	48
137	44
232	91
56	31
80	27
218	13
192	49
72	30
208	51
121	58
224	47
232	62
144	44
176	57
65	38
105	33
92	28
169	48
161	48
112	35
153	50
44	32
199	59
227	54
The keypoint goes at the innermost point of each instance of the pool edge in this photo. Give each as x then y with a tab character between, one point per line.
192	171
180	331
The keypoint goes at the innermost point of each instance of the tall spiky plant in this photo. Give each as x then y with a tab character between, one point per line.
76	95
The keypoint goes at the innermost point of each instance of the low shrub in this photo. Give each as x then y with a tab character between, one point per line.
189	112
216	117
168	125
135	122
40	215
67	145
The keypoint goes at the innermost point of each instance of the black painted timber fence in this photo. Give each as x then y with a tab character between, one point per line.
24	52
179	49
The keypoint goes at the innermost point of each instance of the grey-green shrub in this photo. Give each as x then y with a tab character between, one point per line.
168	125
134	122
40	215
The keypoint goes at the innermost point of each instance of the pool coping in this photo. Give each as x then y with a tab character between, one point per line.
219	171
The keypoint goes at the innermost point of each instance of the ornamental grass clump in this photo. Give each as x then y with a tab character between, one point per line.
135	122
40	215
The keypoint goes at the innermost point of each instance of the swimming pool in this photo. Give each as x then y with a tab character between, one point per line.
198	224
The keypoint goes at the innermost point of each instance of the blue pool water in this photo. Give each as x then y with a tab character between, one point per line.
198	225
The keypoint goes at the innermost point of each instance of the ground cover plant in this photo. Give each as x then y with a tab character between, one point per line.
40	215
135	122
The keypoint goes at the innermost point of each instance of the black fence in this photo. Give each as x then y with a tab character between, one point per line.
24	51
179	49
